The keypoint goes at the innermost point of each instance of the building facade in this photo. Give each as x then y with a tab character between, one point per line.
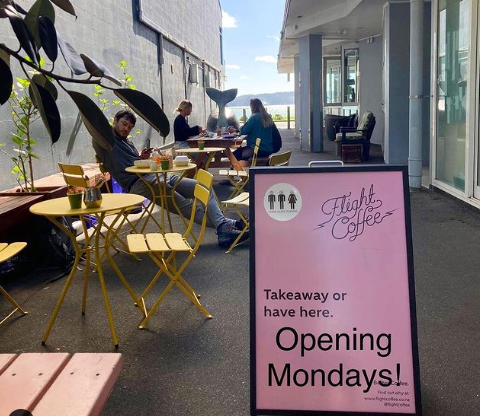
173	50
368	63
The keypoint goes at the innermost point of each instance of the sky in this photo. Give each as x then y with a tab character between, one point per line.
251	38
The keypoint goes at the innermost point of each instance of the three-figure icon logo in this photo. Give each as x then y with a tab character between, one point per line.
282	202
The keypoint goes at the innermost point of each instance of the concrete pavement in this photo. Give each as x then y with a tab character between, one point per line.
183	364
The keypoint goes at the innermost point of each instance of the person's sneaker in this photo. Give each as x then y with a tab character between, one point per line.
227	237
240	225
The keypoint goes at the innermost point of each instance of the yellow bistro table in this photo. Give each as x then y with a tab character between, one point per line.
163	196
60	207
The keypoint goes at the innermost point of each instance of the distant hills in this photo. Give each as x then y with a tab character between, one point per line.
275	98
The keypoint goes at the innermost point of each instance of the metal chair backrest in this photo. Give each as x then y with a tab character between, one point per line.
73	175
103	171
280	159
201	194
255	152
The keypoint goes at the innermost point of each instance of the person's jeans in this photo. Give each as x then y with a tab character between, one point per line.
183	198
246	153
181	145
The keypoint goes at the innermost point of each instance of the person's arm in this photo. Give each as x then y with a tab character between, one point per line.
248	129
182	131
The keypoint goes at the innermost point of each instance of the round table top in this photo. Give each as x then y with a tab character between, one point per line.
197	150
145	171
61	207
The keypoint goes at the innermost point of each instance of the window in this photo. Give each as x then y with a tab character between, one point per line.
350	76
332	80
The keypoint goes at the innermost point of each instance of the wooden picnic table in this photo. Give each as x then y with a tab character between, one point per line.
56	384
226	143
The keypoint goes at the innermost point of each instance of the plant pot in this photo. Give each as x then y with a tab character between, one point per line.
48	192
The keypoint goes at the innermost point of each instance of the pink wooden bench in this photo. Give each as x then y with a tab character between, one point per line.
56	384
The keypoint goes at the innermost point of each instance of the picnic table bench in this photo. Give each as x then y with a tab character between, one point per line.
57	384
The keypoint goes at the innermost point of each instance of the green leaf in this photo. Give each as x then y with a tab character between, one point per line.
132	87
24	120
39	8
34	156
48	110
23	34
42	80
23	83
17	140
98	70
94	120
6	86
123	64
146	107
48	37
65	5
71	56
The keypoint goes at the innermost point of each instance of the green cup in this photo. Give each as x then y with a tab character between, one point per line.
75	200
201	145
165	164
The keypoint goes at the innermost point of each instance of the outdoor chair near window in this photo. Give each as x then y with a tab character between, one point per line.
7	251
360	136
163	248
239	178
333	123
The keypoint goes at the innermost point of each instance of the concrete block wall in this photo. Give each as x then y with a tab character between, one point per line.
109	31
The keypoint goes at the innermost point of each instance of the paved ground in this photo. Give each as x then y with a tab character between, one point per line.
186	365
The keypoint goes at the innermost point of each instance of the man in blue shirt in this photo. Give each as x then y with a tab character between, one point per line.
124	155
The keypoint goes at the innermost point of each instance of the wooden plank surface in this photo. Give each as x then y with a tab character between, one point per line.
27	379
5	361
83	387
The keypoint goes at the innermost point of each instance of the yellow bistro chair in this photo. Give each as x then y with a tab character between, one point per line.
241	200
280	159
240	178
163	248
7	251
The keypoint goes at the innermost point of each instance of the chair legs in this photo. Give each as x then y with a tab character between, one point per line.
7	251
13	303
241	199
175	279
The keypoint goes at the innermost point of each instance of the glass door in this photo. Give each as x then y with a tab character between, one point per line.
350	76
453	56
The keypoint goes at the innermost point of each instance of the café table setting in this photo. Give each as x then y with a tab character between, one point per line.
63	207
180	166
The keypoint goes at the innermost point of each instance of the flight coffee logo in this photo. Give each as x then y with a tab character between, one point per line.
350	217
282	202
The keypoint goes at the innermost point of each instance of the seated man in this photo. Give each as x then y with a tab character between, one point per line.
124	154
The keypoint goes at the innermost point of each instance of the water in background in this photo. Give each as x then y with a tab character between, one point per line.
271	109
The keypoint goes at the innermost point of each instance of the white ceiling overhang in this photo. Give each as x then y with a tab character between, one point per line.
338	21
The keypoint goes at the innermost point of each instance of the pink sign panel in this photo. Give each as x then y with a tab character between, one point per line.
333	314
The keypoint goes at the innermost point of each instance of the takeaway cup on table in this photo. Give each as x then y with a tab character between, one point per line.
75	200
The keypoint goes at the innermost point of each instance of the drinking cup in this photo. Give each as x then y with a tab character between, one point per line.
75	200
165	164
